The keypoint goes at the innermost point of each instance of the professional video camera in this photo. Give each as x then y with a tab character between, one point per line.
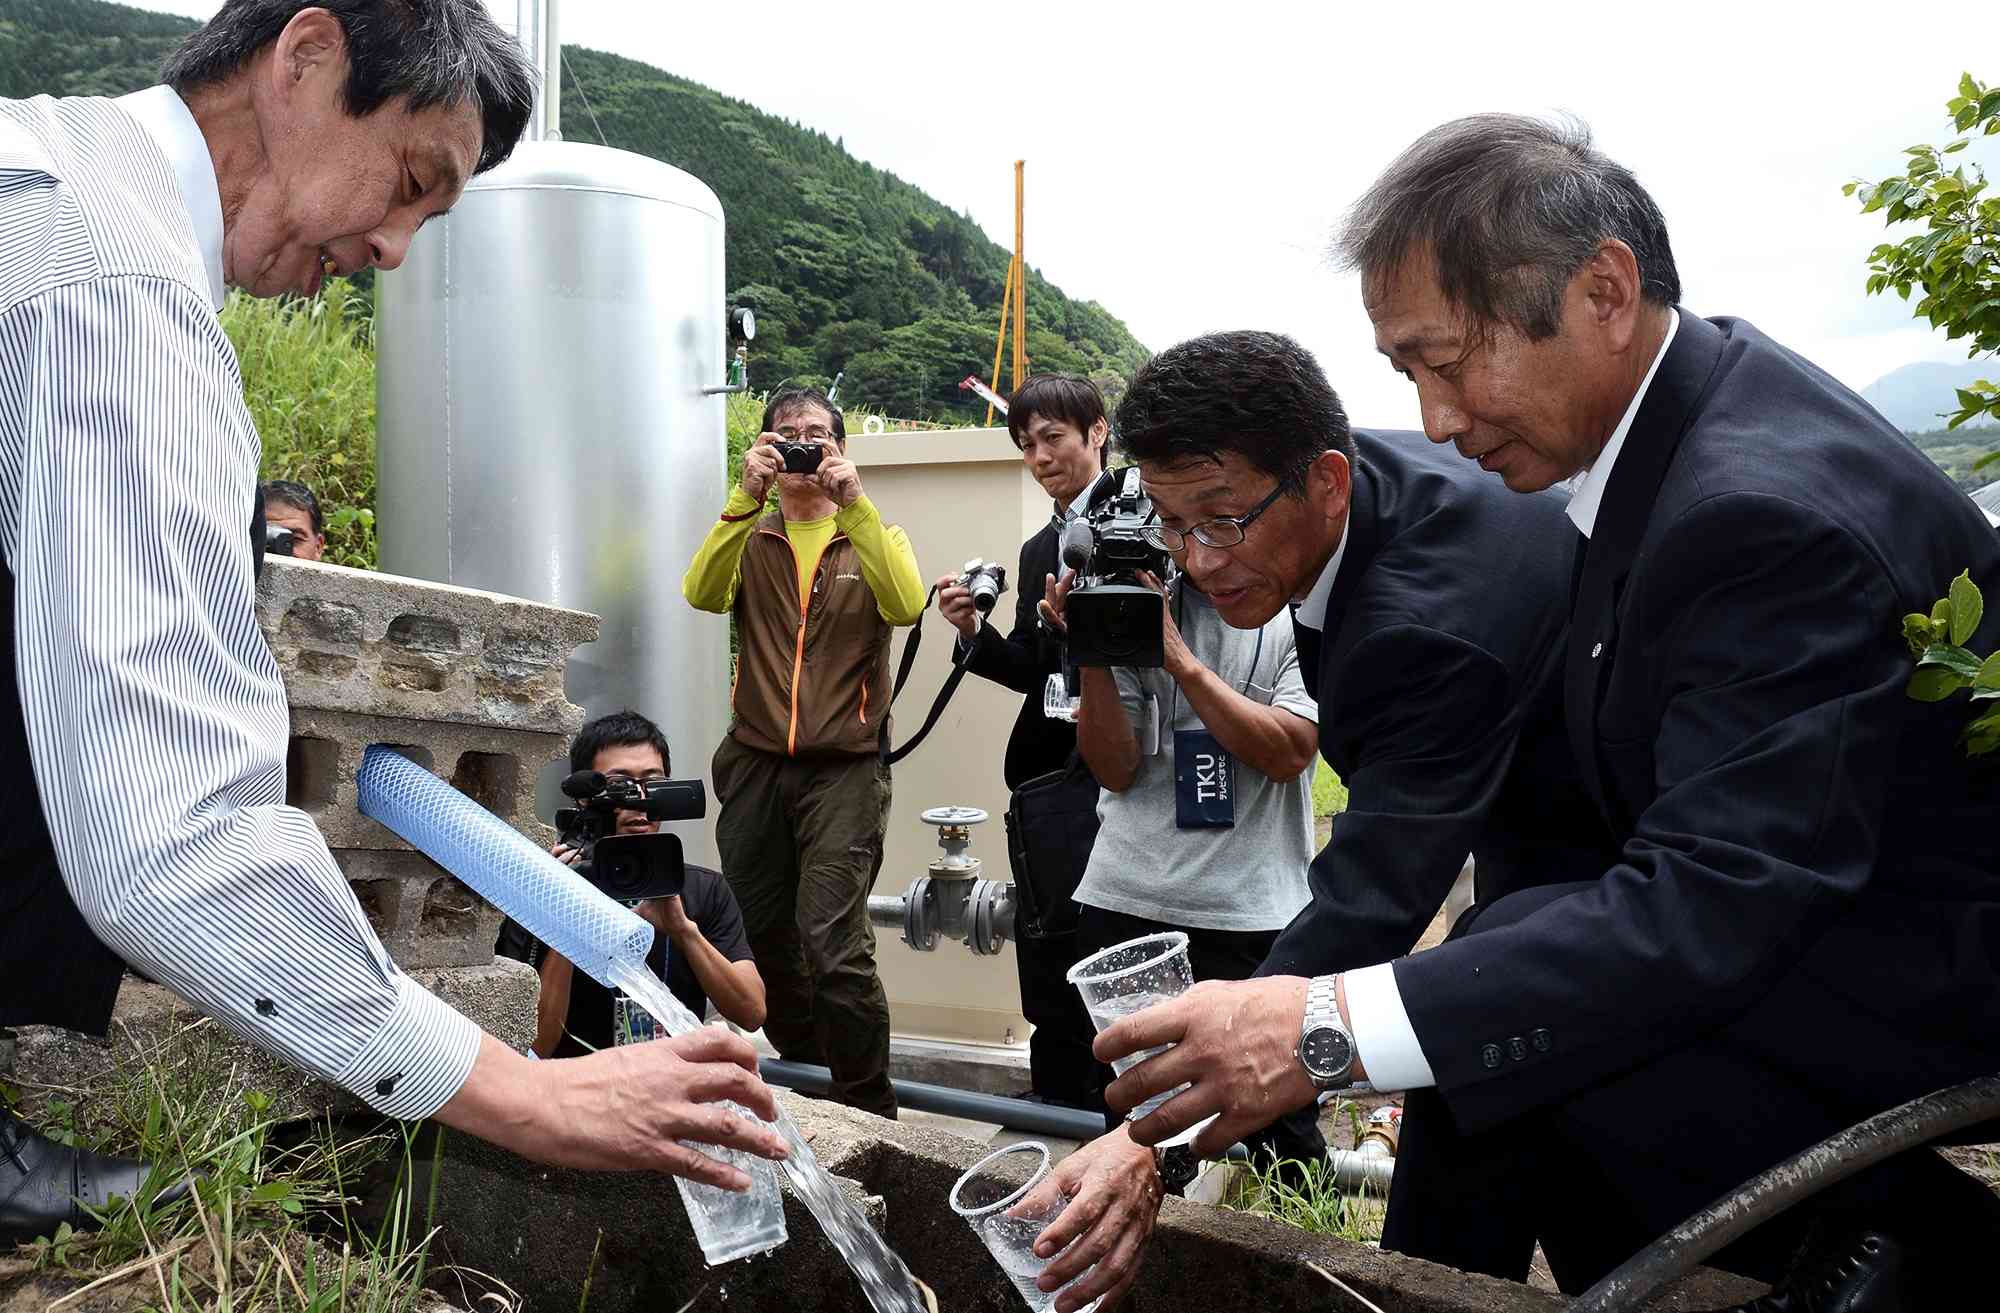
1112	618
801	457
629	867
985	580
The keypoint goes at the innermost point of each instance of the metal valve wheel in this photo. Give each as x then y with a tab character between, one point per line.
953	816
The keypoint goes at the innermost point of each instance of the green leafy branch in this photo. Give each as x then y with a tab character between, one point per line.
1945	665
1956	260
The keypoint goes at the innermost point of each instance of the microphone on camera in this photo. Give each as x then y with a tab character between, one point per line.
1078	539
583	784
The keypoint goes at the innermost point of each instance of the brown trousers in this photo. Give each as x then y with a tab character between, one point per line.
801	844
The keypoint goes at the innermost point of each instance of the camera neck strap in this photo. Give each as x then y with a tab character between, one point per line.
958	667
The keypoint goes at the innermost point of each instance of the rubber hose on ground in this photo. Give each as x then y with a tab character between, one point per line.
1834	1159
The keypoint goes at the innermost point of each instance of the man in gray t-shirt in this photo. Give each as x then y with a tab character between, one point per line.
1206	810
1245	876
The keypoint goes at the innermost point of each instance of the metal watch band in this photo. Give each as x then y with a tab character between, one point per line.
1322	1013
1322	1003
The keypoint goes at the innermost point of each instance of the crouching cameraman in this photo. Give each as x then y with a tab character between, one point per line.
700	951
1058	422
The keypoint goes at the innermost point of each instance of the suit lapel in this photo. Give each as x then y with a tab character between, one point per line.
1671	405
1307	640
1364	531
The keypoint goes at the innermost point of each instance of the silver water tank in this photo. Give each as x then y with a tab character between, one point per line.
544	429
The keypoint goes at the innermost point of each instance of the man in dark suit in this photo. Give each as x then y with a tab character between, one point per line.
1436	680
1436	687
1803	926
1058	422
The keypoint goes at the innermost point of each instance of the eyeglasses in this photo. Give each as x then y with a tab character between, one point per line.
806	435
1222	531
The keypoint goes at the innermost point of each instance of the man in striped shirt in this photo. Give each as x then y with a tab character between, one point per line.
142	720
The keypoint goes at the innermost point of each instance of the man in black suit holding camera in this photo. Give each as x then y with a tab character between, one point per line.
1058	422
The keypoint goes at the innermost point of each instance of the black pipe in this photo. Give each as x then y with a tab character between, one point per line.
1013	1114
1833	1159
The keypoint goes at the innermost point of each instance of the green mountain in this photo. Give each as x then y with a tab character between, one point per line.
848	268
82	47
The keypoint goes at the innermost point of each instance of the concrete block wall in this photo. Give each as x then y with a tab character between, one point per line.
467	684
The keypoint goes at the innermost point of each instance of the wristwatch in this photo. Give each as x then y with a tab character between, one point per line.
1326	1050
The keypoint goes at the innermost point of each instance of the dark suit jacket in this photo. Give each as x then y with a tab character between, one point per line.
1023	661
1735	687
1436	679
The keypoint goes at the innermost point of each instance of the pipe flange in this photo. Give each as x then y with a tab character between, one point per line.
919	919
991	917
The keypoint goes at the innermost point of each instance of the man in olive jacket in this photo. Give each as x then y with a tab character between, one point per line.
816	588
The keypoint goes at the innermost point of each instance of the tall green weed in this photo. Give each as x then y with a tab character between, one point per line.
309	380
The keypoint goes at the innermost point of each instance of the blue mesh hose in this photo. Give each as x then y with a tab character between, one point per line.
608	943
555	904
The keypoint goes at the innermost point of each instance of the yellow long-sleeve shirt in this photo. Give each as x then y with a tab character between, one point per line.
888	563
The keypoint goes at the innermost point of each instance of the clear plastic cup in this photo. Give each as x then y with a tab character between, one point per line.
727	1224
989	1197
1131	977
1057	704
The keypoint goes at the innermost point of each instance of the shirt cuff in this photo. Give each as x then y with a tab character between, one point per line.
417	1062
1383	1037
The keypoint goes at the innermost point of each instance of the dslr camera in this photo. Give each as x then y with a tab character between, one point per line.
985	580
801	457
628	867
278	540
1112	618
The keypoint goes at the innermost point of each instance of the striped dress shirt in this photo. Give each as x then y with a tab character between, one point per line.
155	716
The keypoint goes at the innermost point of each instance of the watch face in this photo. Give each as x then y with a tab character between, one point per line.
1327	1053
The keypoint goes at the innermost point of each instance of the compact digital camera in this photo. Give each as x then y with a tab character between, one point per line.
801	457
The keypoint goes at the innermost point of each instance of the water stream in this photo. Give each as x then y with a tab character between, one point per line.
608	943
884	1278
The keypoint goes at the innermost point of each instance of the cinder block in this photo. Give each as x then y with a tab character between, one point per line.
495	767
467	684
377	644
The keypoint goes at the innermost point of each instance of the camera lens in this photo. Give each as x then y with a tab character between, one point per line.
617	875
1121	632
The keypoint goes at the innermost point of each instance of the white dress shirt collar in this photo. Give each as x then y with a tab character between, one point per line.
1587	489
165	117
1312	608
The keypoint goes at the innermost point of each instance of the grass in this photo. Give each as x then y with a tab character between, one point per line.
309	381
1329	794
1314	1205
274	1222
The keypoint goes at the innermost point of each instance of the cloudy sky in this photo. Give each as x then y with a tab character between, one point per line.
1187	171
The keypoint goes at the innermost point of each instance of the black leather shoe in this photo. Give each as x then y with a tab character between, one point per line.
1842	1272
44	1184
